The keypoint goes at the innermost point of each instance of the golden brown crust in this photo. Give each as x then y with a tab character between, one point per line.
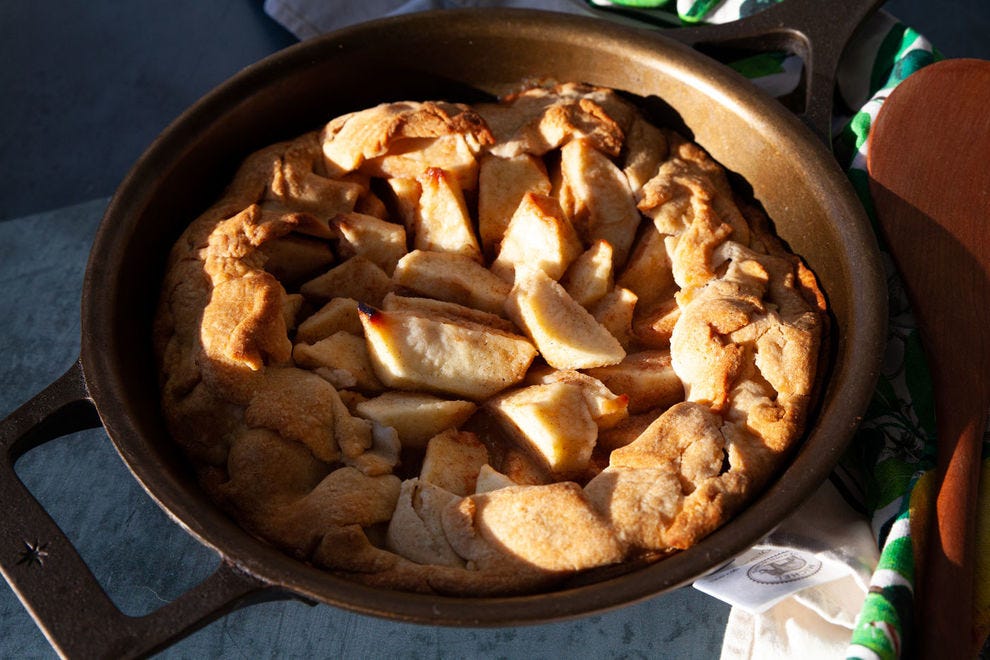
356	378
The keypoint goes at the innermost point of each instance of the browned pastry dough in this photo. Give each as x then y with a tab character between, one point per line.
478	350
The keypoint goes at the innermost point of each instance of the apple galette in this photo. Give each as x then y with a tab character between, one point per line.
479	349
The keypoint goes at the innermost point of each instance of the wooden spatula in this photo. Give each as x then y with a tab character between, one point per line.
929	166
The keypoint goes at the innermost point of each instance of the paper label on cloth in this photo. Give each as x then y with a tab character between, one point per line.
762	577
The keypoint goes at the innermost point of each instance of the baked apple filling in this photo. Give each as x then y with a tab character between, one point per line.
480	349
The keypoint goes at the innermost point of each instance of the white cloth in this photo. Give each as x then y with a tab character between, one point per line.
814	622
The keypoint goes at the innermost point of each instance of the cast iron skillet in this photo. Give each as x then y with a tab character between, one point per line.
459	55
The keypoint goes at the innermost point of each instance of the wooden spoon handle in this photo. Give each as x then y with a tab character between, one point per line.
931	190
946	593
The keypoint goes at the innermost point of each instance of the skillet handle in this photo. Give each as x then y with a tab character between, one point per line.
816	31
52	580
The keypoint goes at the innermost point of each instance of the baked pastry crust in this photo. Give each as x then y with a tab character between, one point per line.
478	350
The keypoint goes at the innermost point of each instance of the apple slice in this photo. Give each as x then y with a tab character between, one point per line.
452	277
415	416
603	205
338	315
616	311
502	182
381	242
647	378
414	351
607	408
538	234
648	272
566	334
554	422
490	479
356	278
442	222
590	277
646	148
341	359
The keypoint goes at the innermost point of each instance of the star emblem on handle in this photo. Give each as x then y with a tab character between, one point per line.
33	554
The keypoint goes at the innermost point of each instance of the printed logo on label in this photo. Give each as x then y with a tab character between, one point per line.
783	567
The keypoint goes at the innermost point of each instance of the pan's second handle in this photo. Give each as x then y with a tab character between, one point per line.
816	31
49	576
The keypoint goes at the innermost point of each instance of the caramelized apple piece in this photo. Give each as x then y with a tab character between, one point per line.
554	422
566	334
442	223
539	235
452	277
414	351
603	205
501	186
416	417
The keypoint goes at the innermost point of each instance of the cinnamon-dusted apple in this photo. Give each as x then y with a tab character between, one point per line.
358	278
554	422
538	235
416	416
590	276
442	308
413	351
452	277
566	334
491	479
607	408
599	200
616	311
647	378
342	359
441	222
338	315
502	183
380	242
646	149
